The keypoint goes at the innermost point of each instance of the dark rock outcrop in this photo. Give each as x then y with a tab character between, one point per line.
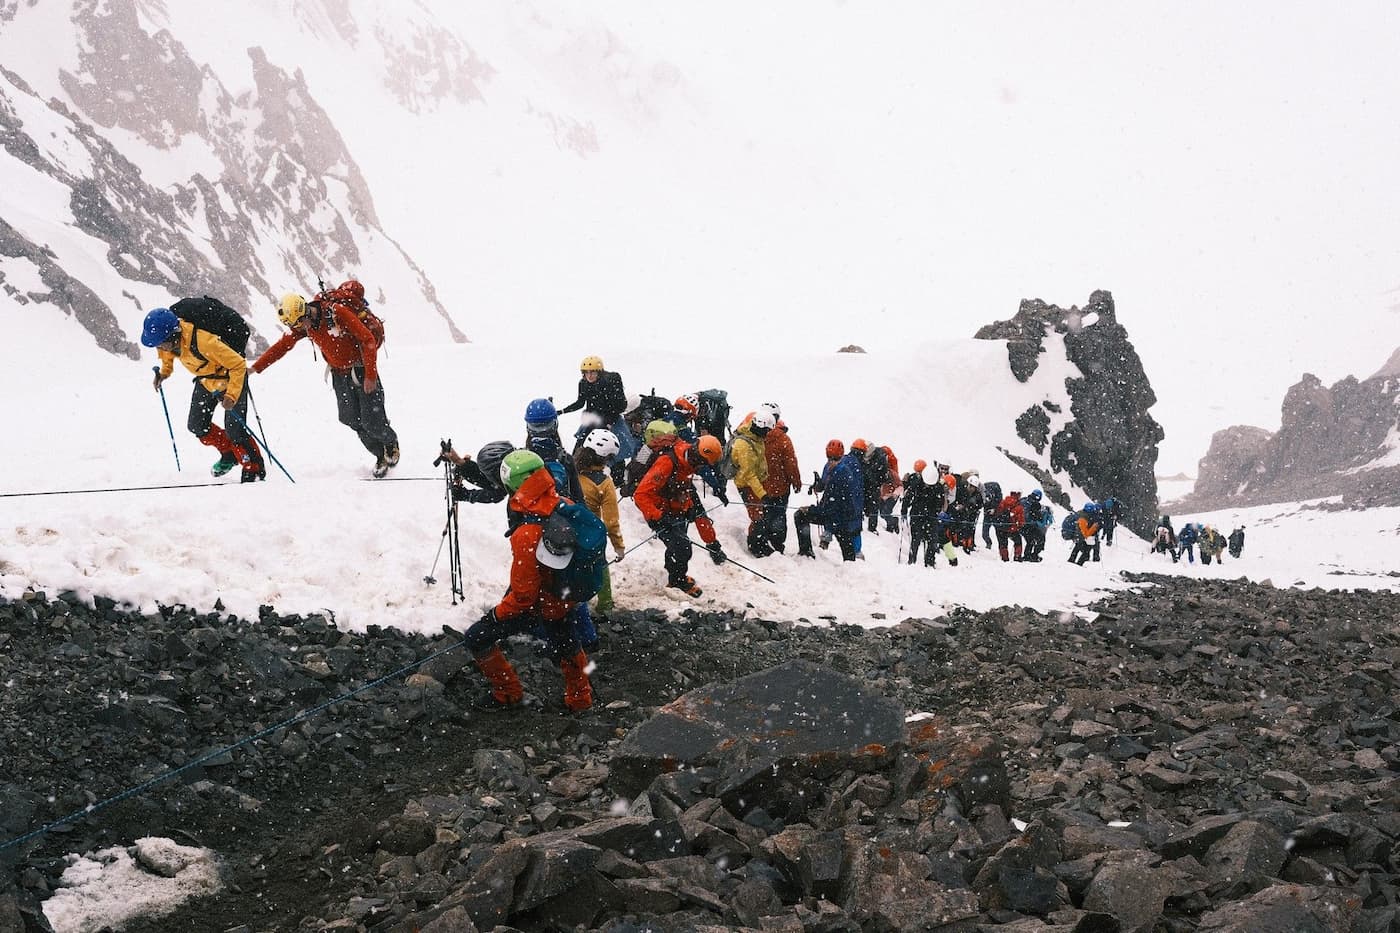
1331	442
1108	445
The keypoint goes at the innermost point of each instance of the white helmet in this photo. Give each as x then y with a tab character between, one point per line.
602	442
930	475
590	419
775	409
764	419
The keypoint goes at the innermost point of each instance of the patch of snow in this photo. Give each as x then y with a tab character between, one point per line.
106	889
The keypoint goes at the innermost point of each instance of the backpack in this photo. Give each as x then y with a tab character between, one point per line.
351	294
215	317
713	416
1069	527
583	577
991	493
727	468
650	408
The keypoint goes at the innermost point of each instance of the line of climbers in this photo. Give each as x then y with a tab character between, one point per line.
1212	544
562	501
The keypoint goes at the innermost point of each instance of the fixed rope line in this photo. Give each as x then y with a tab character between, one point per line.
79	492
144	786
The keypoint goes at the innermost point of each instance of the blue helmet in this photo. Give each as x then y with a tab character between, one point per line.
1036	494
540	411
1092	507
161	324
944	517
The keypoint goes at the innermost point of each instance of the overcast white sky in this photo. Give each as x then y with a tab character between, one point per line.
862	171
816	173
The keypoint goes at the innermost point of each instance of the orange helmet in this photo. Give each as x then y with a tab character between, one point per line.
835	450
859	444
919	465
710	448
688	405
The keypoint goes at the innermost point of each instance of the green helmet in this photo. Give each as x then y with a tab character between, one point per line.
658	428
517	467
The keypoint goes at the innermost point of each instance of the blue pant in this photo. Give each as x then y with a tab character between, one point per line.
627	444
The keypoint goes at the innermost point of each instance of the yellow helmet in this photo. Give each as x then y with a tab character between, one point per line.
591	364
291	308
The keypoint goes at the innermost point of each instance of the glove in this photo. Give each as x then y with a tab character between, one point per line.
722	496
488	617
716	552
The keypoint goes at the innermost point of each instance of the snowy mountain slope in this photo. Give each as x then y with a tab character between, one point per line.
334	541
133	174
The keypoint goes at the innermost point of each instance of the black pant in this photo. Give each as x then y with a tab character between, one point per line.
559	638
1035	541
1108	525
202	405
674	534
1082	551
361	413
921	535
775	521
808	516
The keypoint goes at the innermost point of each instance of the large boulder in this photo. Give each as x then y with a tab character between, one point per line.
791	722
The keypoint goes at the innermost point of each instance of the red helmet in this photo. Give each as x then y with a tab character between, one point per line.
859	444
688	405
835	450
919	465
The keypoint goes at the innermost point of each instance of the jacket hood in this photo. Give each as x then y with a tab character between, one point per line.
536	496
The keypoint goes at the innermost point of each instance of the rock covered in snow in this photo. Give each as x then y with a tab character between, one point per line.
1108	445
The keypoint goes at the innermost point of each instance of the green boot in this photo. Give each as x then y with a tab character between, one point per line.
605	600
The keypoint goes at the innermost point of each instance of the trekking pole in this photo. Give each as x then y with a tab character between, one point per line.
245	427
257	415
634	547
734	562
168	426
449	531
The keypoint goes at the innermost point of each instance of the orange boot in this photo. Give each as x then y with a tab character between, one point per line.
505	686
578	692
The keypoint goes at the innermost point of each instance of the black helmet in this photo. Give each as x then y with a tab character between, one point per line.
489	457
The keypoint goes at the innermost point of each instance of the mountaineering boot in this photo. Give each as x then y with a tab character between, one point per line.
806	552
505	686
227	461
686	585
391	454
578	691
716	552
251	459
381	467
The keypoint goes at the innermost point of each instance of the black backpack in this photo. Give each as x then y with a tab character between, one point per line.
649	408
215	317
713	417
991	494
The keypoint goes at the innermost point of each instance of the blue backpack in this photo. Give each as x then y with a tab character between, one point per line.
1069	527
583	577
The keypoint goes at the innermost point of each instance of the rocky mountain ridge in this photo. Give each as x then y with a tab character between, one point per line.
180	186
1342	440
